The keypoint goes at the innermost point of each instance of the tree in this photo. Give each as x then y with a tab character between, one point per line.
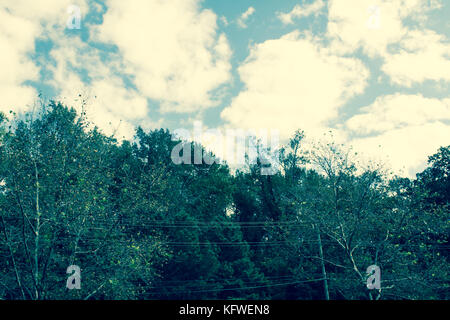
56	208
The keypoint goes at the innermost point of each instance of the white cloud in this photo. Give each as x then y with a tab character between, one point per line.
110	105
224	20
243	18
379	28
172	48
300	11
403	129
21	22
423	55
16	40
175	54
405	149
113	109
398	111
348	25
294	82
372	25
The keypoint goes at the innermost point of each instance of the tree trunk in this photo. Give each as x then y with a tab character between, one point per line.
324	272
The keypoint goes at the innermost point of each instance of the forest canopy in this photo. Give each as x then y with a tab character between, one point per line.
141	227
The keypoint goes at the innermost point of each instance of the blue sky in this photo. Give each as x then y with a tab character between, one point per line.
375	72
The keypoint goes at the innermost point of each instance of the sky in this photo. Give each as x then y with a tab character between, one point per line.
375	73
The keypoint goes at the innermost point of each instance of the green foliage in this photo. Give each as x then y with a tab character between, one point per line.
142	227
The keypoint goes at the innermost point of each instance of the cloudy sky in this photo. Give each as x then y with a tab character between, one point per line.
375	72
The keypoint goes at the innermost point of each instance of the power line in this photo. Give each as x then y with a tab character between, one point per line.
247	288
233	243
